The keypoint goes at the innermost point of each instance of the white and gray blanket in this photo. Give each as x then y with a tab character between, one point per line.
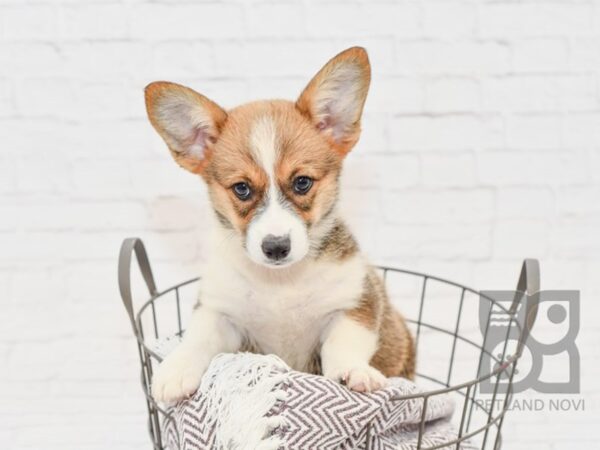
256	402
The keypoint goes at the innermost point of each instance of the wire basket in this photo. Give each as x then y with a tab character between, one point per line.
452	325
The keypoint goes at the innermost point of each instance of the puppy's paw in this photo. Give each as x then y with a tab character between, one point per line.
360	379
178	376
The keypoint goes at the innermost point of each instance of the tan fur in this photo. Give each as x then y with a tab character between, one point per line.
395	355
339	244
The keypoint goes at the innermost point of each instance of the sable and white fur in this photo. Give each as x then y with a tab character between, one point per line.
321	307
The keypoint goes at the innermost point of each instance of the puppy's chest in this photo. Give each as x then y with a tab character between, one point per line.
288	318
286	323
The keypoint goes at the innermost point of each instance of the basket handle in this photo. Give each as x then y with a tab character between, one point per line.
529	285
129	246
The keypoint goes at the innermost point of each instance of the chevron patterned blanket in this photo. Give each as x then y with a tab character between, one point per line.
248	402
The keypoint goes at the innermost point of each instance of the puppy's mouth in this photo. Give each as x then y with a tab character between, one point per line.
278	264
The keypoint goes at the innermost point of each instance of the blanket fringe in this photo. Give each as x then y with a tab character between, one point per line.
248	388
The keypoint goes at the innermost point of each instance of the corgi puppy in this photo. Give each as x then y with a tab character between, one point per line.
285	275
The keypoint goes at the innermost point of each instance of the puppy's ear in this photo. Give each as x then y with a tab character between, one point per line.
188	122
334	98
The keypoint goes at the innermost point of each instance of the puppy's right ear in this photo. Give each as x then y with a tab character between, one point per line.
188	122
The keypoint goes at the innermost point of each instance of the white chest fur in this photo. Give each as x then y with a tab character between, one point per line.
283	311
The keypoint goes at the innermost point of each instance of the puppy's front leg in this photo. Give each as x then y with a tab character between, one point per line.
347	348
208	334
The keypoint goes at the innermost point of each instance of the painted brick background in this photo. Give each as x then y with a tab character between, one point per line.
481	146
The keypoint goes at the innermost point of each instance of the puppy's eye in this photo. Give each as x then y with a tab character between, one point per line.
242	191
302	185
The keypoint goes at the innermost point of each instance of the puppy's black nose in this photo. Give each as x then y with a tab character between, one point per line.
276	247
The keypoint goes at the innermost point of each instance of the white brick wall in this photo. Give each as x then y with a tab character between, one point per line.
481	146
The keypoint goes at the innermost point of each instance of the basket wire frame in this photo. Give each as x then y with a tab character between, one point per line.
488	433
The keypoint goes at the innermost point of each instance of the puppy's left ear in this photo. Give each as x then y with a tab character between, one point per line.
188	122
334	98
